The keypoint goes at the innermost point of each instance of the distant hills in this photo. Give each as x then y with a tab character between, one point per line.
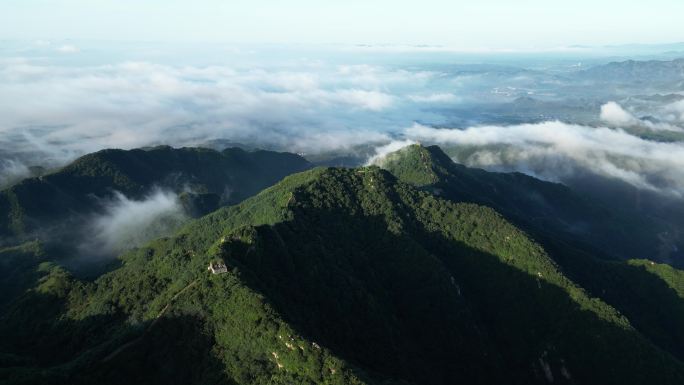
572	94
357	276
652	73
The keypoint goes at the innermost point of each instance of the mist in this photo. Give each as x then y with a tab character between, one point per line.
12	171
55	113
381	152
125	223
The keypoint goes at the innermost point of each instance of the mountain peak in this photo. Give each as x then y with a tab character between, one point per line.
417	164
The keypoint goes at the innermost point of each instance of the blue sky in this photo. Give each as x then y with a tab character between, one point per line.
465	24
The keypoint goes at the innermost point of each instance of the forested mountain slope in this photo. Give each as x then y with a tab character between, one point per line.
591	243
542	207
336	276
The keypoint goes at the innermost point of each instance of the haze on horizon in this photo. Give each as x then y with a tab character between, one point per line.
487	24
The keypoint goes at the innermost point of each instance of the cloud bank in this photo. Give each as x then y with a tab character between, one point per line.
615	115
675	111
55	113
559	151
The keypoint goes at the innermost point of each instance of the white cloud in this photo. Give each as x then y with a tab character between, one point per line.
612	113
676	110
296	81
52	113
382	151
615	116
67	48
323	141
558	151
127	223
369	100
65	111
434	98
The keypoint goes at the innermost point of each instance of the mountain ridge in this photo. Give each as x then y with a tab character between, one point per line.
531	203
134	172
354	260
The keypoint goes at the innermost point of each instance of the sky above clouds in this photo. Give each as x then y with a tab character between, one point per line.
495	24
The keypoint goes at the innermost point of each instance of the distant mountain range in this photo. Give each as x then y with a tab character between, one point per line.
401	275
668	74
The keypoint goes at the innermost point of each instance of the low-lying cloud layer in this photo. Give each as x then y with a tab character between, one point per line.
54	108
60	112
559	151
127	223
615	115
675	111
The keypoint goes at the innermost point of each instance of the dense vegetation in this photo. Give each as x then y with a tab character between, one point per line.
209	178
588	240
339	276
537	206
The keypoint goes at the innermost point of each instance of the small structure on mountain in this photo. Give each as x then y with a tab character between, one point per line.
218	267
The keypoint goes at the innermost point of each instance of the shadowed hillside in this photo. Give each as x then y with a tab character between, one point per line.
586	239
535	205
336	276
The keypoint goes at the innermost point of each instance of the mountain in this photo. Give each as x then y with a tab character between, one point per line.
526	109
20	267
535	205
668	74
59	201
590	242
334	276
654	100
